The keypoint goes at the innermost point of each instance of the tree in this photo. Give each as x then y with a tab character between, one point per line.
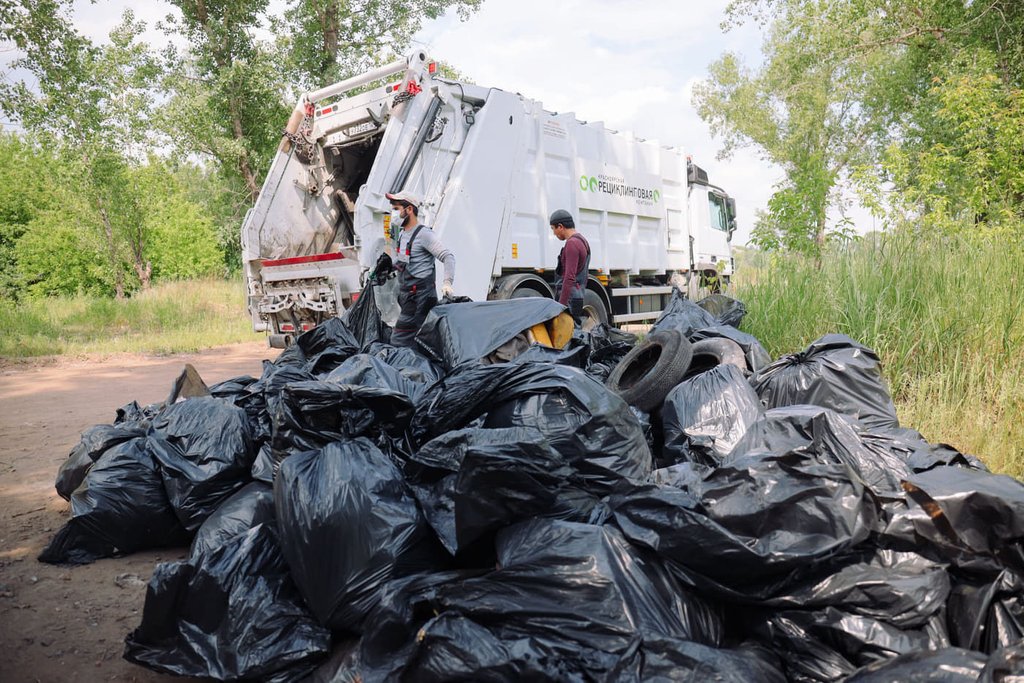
93	105
914	103
329	40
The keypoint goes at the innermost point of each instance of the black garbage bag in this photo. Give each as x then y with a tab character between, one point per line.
311	415
265	397
705	416
411	363
569	602
985	613
585	422
246	392
478	481
232	613
829	437
95	442
919	455
727	311
833	372
904	589
673	660
974	518
205	451
574	354
348	525
121	507
363	318
372	371
755	354
829	644
252	505
134	413
320	349
455	334
948	665
753	526
1004	666
683	315
608	346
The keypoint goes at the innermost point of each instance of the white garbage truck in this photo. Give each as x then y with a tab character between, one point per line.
490	167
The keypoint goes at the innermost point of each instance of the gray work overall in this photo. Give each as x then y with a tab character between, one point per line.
416	296
575	302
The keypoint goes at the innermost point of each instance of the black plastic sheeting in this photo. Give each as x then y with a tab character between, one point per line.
569	602
251	506
205	451
121	507
683	315
455	334
585	422
522	474
348	524
705	416
727	311
230	613
833	372
94	443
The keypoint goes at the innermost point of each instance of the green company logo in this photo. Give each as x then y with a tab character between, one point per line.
618	188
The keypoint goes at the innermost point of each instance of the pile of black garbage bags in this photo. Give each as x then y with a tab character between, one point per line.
361	512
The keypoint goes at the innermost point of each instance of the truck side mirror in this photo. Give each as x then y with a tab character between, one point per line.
730	207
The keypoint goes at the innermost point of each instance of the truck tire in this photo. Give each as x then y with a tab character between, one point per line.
594	311
651	369
709	353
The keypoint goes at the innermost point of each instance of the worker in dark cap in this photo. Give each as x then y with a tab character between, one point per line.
573	263
418	247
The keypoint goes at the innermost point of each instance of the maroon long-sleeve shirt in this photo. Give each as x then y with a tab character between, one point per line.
573	259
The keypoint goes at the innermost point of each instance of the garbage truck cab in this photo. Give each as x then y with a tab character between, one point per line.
490	167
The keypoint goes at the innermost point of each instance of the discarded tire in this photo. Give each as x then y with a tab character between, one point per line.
710	353
647	373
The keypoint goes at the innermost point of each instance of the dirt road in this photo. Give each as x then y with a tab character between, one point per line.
69	623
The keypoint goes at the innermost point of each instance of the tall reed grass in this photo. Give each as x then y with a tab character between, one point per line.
169	318
943	314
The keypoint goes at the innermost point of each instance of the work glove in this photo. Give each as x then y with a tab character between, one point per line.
446	291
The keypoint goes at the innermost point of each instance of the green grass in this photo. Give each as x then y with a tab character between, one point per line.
944	315
170	318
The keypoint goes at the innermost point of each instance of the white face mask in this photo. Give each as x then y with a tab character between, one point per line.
396	219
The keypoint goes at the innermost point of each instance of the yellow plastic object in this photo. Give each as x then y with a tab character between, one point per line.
560	330
540	335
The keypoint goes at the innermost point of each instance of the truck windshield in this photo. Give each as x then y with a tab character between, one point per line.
719	219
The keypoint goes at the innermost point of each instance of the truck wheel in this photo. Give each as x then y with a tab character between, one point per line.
525	293
709	353
594	312
651	369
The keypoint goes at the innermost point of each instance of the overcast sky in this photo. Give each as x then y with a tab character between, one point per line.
632	67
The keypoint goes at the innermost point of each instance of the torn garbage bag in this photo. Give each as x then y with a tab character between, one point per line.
705	416
683	315
455	334
252	505
230	613
584	422
95	442
727	311
205	452
121	507
476	481
833	372
348	524
568	602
